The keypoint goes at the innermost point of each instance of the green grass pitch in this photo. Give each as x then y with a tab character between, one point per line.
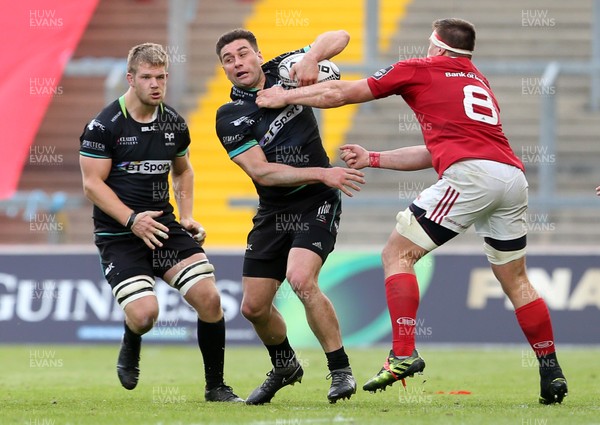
60	385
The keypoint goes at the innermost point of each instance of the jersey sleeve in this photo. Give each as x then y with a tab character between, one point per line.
96	140
186	140
394	79
233	128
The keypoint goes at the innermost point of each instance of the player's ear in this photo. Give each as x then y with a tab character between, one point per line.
260	57
130	78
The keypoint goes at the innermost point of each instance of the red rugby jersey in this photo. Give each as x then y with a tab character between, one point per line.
456	109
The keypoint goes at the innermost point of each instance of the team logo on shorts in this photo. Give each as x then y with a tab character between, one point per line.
323	211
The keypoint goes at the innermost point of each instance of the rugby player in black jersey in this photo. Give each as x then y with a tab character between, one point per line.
126	154
299	205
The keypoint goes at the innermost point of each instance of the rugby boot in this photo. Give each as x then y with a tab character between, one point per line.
222	393
395	369
277	378
342	386
128	362
553	386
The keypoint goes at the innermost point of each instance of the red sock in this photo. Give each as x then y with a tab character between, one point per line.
402	294
534	319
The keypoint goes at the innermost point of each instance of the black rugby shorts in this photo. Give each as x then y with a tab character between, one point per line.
276	231
126	256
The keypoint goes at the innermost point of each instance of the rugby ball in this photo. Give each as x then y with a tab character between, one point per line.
327	70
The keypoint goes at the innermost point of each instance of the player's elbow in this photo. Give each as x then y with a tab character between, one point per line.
343	36
89	188
262	179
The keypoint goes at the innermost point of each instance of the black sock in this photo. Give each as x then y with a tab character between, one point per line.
337	359
282	355
130	337
548	363
211	340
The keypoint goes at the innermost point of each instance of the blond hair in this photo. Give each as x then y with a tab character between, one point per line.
148	53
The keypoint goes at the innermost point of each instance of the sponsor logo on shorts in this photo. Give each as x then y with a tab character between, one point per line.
318	245
145	167
322	211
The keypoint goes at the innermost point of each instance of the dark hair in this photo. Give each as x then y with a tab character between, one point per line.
236	34
456	33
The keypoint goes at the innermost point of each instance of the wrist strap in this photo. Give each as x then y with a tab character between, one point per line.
130	220
374	158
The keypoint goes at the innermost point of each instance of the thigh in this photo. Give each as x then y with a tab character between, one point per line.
259	292
273	268
508	220
303	269
175	252
319	228
129	273
467	192
123	257
268	242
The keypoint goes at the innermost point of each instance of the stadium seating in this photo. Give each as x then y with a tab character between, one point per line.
562	32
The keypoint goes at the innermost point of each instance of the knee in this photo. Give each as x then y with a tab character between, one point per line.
303	284
204	297
393	256
255	312
141	320
389	256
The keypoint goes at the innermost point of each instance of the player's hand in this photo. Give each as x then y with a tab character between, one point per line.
355	156
306	72
271	98
149	230
344	179
195	229
598	191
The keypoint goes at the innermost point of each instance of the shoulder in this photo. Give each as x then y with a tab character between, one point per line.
107	119
235	109
105	124
170	112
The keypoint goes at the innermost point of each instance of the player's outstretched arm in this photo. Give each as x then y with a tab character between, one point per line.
329	94
410	158
255	164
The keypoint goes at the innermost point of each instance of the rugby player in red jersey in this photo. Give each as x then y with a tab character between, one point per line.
481	183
